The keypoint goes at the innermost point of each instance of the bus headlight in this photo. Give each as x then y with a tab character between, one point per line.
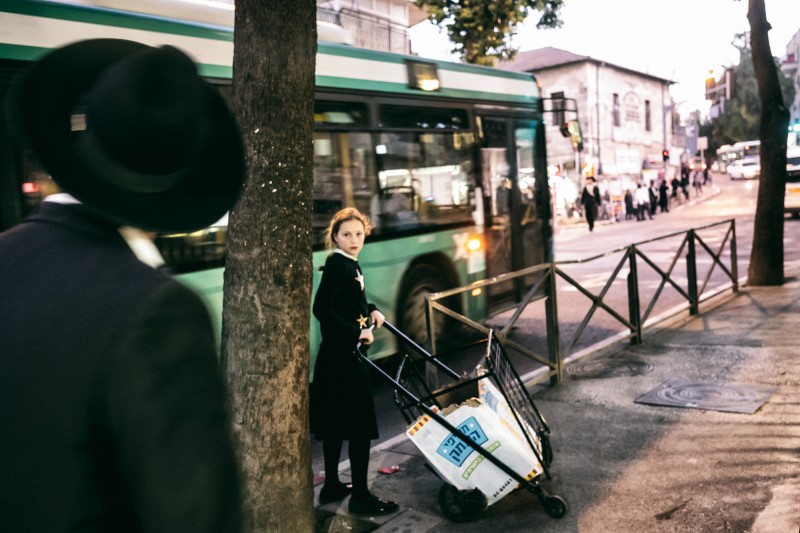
476	259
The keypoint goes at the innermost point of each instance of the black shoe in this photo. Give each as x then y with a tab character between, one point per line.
372	505
334	493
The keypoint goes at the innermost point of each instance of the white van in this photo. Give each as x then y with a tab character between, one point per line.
791	203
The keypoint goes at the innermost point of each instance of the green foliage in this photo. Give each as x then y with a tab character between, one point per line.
742	116
480	29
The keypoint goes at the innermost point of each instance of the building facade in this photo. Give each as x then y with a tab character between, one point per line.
626	116
374	24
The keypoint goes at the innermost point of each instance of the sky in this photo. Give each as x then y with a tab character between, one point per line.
679	40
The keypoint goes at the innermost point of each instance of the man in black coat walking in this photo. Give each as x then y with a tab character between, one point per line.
590	198
113	414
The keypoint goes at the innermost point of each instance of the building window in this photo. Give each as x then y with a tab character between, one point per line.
616	110
558	108
647	126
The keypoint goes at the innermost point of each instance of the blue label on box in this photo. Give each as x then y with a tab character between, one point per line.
454	449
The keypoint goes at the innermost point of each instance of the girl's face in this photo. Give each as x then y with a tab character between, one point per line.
350	237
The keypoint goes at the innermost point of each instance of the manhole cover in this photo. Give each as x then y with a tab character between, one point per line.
609	368
728	397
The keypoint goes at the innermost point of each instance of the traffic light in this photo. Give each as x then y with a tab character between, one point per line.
576	135
665	154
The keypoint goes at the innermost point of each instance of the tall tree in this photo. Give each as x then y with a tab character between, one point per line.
267	291
742	116
766	256
481	29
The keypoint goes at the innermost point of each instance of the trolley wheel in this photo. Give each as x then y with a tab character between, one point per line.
554	506
461	505
420	281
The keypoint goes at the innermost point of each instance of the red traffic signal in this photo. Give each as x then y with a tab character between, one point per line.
665	155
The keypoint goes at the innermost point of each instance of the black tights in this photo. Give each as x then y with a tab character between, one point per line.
358	451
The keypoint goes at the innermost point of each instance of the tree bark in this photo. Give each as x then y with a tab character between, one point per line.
268	277
766	256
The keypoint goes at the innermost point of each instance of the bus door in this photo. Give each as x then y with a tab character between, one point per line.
512	203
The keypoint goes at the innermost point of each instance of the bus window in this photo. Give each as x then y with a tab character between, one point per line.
525	167
198	250
343	176
424	179
340	113
423	118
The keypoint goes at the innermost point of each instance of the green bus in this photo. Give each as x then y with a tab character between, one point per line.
448	160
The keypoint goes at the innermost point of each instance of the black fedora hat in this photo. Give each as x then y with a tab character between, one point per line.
131	131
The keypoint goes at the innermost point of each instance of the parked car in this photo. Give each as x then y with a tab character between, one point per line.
744	169
791	202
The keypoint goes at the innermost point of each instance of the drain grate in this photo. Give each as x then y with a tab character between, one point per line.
728	397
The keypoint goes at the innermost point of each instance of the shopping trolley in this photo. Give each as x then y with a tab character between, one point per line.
494	390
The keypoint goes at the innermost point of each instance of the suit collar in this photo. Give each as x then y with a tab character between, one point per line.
81	218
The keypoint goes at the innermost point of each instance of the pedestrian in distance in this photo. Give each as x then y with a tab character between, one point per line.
663	196
685	184
607	207
341	403
698	183
630	207
684	171
676	185
653	198
590	199
642	197
113	412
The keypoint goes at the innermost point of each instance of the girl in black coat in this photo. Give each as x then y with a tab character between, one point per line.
341	396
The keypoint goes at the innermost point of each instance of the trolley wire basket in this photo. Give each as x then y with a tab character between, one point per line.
427	390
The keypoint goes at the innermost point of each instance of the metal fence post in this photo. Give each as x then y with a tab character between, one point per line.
634	312
691	273
431	374
551	314
734	258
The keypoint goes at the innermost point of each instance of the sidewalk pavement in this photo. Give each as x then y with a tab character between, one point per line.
627	467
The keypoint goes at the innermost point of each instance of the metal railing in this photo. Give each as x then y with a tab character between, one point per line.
552	281
368	30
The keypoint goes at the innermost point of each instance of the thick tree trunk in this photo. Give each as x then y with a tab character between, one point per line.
268	277
766	256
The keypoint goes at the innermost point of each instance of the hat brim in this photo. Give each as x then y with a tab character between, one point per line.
42	106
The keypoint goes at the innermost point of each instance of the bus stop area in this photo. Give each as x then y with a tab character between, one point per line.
719	450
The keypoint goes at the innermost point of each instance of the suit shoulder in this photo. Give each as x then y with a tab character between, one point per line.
336	261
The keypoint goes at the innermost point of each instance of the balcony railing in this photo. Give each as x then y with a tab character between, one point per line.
369	31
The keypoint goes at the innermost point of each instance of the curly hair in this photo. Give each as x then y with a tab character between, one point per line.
348	213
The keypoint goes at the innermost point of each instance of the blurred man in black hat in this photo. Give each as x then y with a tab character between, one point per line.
112	411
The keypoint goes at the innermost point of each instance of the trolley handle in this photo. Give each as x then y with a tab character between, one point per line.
359	343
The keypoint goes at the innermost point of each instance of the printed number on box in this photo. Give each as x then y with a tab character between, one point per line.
454	449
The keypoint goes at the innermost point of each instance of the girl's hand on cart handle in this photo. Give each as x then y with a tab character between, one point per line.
365	337
377	318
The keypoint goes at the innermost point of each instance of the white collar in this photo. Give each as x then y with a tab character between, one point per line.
340	251
62	198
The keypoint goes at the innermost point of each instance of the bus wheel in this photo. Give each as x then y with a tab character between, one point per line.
420	281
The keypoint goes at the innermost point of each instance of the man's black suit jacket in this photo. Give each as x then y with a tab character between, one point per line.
111	409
